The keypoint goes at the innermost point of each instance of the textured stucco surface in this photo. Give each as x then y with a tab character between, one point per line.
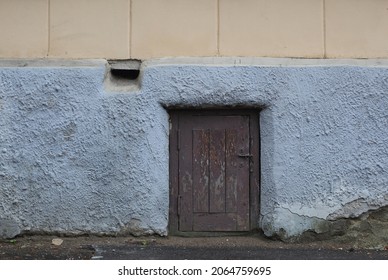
77	158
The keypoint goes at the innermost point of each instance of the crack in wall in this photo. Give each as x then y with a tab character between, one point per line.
367	230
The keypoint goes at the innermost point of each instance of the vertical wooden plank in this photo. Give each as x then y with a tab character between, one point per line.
254	201
185	175
173	169
201	171
217	171
231	171
243	175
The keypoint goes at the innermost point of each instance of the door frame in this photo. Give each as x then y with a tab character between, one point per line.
254	178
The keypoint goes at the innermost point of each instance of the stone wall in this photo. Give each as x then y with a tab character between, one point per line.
77	158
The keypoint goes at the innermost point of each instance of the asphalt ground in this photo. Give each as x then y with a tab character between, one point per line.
253	247
139	252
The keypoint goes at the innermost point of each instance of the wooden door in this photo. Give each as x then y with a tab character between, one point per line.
212	158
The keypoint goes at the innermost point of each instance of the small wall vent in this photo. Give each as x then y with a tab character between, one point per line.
125	69
123	75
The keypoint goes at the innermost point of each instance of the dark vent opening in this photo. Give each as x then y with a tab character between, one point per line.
129	74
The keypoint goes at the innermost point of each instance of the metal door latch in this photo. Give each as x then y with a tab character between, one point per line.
245	156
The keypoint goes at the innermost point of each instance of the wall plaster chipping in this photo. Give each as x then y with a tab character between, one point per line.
76	158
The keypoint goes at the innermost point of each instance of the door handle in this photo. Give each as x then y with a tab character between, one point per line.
250	160
245	156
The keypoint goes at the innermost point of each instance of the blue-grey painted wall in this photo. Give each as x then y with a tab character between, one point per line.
76	157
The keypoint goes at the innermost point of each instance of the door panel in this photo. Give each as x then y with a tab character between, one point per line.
212	222
214	163
217	172
201	140
231	162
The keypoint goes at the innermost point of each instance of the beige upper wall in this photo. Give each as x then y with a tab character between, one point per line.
89	28
174	28
357	28
23	28
292	28
156	28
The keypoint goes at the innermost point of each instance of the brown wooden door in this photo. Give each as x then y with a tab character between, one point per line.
213	164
